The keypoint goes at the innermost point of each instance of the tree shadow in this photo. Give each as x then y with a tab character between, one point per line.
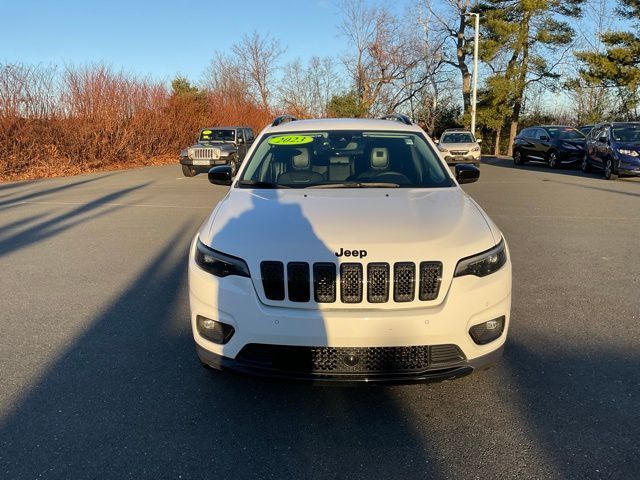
128	398
532	166
60	223
581	405
48	191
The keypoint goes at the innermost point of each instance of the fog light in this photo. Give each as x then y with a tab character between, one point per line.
217	332
488	331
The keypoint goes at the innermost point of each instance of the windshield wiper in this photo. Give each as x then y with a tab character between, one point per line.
260	184
357	185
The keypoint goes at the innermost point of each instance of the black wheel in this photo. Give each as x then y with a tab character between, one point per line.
518	158
586	163
188	171
553	160
609	173
233	163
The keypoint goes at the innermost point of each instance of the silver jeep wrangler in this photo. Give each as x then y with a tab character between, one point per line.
216	146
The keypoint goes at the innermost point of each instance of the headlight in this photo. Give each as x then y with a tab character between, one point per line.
475	149
484	263
443	149
631	153
190	152
220	264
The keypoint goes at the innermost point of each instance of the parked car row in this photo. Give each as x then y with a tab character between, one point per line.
610	147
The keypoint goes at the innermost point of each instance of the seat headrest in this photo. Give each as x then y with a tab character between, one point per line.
379	158
301	159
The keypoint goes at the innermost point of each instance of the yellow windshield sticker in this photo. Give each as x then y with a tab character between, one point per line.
205	137
290	140
206	132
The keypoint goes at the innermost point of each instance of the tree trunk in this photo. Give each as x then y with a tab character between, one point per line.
496	148
461	55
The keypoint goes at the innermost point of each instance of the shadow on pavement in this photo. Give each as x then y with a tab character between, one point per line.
60	223
128	399
47	191
571	171
580	405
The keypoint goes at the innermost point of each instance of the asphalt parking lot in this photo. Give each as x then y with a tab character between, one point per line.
99	377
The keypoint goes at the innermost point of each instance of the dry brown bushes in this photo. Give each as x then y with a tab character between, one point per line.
66	121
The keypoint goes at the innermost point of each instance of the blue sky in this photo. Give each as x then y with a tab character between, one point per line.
161	38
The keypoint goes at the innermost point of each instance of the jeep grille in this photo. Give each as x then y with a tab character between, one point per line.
204	153
381	279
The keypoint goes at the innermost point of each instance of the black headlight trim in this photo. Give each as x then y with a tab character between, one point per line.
218	263
480	264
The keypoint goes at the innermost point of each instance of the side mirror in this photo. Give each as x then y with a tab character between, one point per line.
240	141
437	142
478	140
544	138
602	139
467	173
220	175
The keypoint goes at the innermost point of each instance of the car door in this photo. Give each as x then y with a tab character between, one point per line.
542	143
602	146
241	144
592	143
523	140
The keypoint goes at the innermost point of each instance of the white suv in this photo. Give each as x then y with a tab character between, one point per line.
346	251
459	146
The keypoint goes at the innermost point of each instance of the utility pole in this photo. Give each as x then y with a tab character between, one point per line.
474	95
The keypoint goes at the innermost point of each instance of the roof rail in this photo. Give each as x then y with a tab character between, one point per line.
283	119
398	117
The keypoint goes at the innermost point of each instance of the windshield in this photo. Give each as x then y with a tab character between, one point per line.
565	133
458	137
210	135
627	133
344	159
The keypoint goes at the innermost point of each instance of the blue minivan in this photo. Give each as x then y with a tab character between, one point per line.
613	148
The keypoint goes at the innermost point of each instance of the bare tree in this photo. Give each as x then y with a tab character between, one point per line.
382	51
258	56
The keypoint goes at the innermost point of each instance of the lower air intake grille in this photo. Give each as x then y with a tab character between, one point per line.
273	280
351	282
430	278
350	360
324	282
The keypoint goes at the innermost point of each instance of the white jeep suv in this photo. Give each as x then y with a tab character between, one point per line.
345	250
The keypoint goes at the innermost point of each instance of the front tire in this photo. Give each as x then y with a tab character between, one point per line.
517	158
233	163
188	171
553	160
609	173
586	163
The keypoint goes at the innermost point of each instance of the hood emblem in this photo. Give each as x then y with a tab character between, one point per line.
351	253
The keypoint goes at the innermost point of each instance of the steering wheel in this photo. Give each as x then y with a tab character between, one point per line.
391	177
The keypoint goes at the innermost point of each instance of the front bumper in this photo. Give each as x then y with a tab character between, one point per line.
232	300
434	373
457	159
204	163
631	168
571	157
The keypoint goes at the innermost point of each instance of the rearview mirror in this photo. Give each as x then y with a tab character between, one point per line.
436	142
467	173
220	175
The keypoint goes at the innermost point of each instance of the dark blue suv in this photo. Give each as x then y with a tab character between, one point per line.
614	148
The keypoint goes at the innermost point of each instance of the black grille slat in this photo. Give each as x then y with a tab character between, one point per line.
430	279
325	360
298	281
273	280
378	282
351	283
404	282
324	282
445	354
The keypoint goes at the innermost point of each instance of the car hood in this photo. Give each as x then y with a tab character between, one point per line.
312	225
458	146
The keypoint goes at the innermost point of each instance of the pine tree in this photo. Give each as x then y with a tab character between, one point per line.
527	34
